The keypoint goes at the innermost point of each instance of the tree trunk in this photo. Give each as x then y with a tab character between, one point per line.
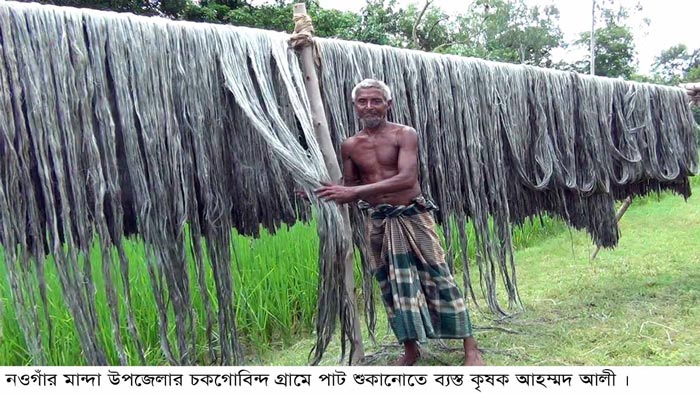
592	37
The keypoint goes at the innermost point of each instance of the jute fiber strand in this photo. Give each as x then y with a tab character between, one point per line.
175	133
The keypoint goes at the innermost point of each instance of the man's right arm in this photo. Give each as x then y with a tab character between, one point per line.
346	191
350	172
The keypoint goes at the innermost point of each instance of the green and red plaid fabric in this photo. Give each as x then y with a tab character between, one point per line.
420	295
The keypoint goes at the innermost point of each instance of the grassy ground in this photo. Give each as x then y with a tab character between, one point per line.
638	304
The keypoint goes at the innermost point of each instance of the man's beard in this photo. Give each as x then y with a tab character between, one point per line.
372	122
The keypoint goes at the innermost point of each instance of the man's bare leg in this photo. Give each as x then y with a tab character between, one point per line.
411	354
472	355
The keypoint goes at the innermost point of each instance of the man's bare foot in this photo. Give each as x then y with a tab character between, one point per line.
407	359
472	355
411	354
473	359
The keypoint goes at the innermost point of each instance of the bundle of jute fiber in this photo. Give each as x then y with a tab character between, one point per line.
116	125
500	143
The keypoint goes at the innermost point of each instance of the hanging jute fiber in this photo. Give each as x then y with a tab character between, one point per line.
115	125
175	133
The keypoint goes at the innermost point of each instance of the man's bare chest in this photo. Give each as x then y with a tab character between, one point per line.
373	155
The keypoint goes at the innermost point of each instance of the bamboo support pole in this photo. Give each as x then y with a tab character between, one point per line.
318	116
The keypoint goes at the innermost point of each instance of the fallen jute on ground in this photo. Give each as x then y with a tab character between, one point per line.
113	125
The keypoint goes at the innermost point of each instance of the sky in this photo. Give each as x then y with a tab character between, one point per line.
671	22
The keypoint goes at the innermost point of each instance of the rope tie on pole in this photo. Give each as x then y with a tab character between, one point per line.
303	31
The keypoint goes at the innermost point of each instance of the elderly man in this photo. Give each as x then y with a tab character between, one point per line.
380	170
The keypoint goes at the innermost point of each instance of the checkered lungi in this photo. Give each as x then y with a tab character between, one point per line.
418	290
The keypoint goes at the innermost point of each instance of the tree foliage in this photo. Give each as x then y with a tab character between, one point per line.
677	64
138	7
423	26
271	16
377	23
509	31
615	51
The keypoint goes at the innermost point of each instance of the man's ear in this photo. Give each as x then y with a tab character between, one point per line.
388	104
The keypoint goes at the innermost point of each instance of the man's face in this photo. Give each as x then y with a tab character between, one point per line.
371	106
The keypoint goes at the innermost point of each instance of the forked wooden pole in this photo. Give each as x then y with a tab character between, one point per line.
318	116
618	216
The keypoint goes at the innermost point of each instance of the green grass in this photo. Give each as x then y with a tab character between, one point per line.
634	305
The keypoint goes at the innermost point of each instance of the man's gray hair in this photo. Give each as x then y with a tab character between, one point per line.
372	83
